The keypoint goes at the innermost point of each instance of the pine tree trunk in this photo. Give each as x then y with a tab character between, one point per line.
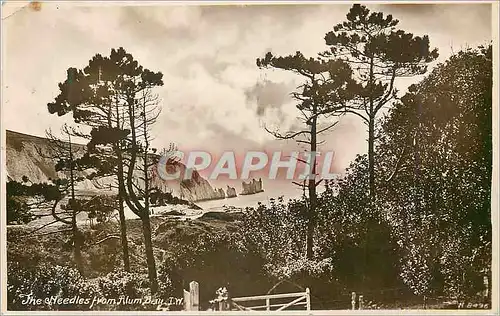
77	245
371	175
311	221
150	259
123	234
77	236
371	161
121	192
153	279
371	137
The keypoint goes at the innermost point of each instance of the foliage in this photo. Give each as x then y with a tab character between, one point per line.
428	227
113	96
18	210
327	86
276	232
379	53
432	230
23	198
160	198
210	255
46	280
42	282
101	207
437	142
350	233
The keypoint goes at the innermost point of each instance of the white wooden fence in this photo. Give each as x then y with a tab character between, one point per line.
301	298
192	300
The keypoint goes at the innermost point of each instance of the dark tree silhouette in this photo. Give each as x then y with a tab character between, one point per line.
25	201
92	96
439	198
44	199
65	152
113	95
142	111
378	53
327	89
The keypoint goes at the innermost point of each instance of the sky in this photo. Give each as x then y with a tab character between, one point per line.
214	96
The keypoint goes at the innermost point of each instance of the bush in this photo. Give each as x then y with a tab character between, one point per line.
43	282
47	281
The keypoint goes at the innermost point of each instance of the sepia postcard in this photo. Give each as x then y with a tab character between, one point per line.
302	158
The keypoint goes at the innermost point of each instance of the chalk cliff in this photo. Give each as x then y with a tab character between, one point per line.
252	187
194	188
230	192
28	155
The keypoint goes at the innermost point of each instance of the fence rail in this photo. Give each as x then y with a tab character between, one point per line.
301	298
358	301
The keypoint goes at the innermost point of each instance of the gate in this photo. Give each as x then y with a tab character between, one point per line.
301	298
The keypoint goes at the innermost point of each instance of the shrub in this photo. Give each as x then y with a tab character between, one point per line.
47	281
43	282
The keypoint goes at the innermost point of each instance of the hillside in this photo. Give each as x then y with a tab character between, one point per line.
28	155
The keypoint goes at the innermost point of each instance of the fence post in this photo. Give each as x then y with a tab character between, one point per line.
486	288
194	295
224	300
353	300
268	304
308	299
361	302
187	300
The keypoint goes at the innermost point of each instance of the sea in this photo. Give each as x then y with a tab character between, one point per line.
238	202
243	201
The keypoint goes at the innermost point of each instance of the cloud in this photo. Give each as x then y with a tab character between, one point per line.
213	89
268	94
